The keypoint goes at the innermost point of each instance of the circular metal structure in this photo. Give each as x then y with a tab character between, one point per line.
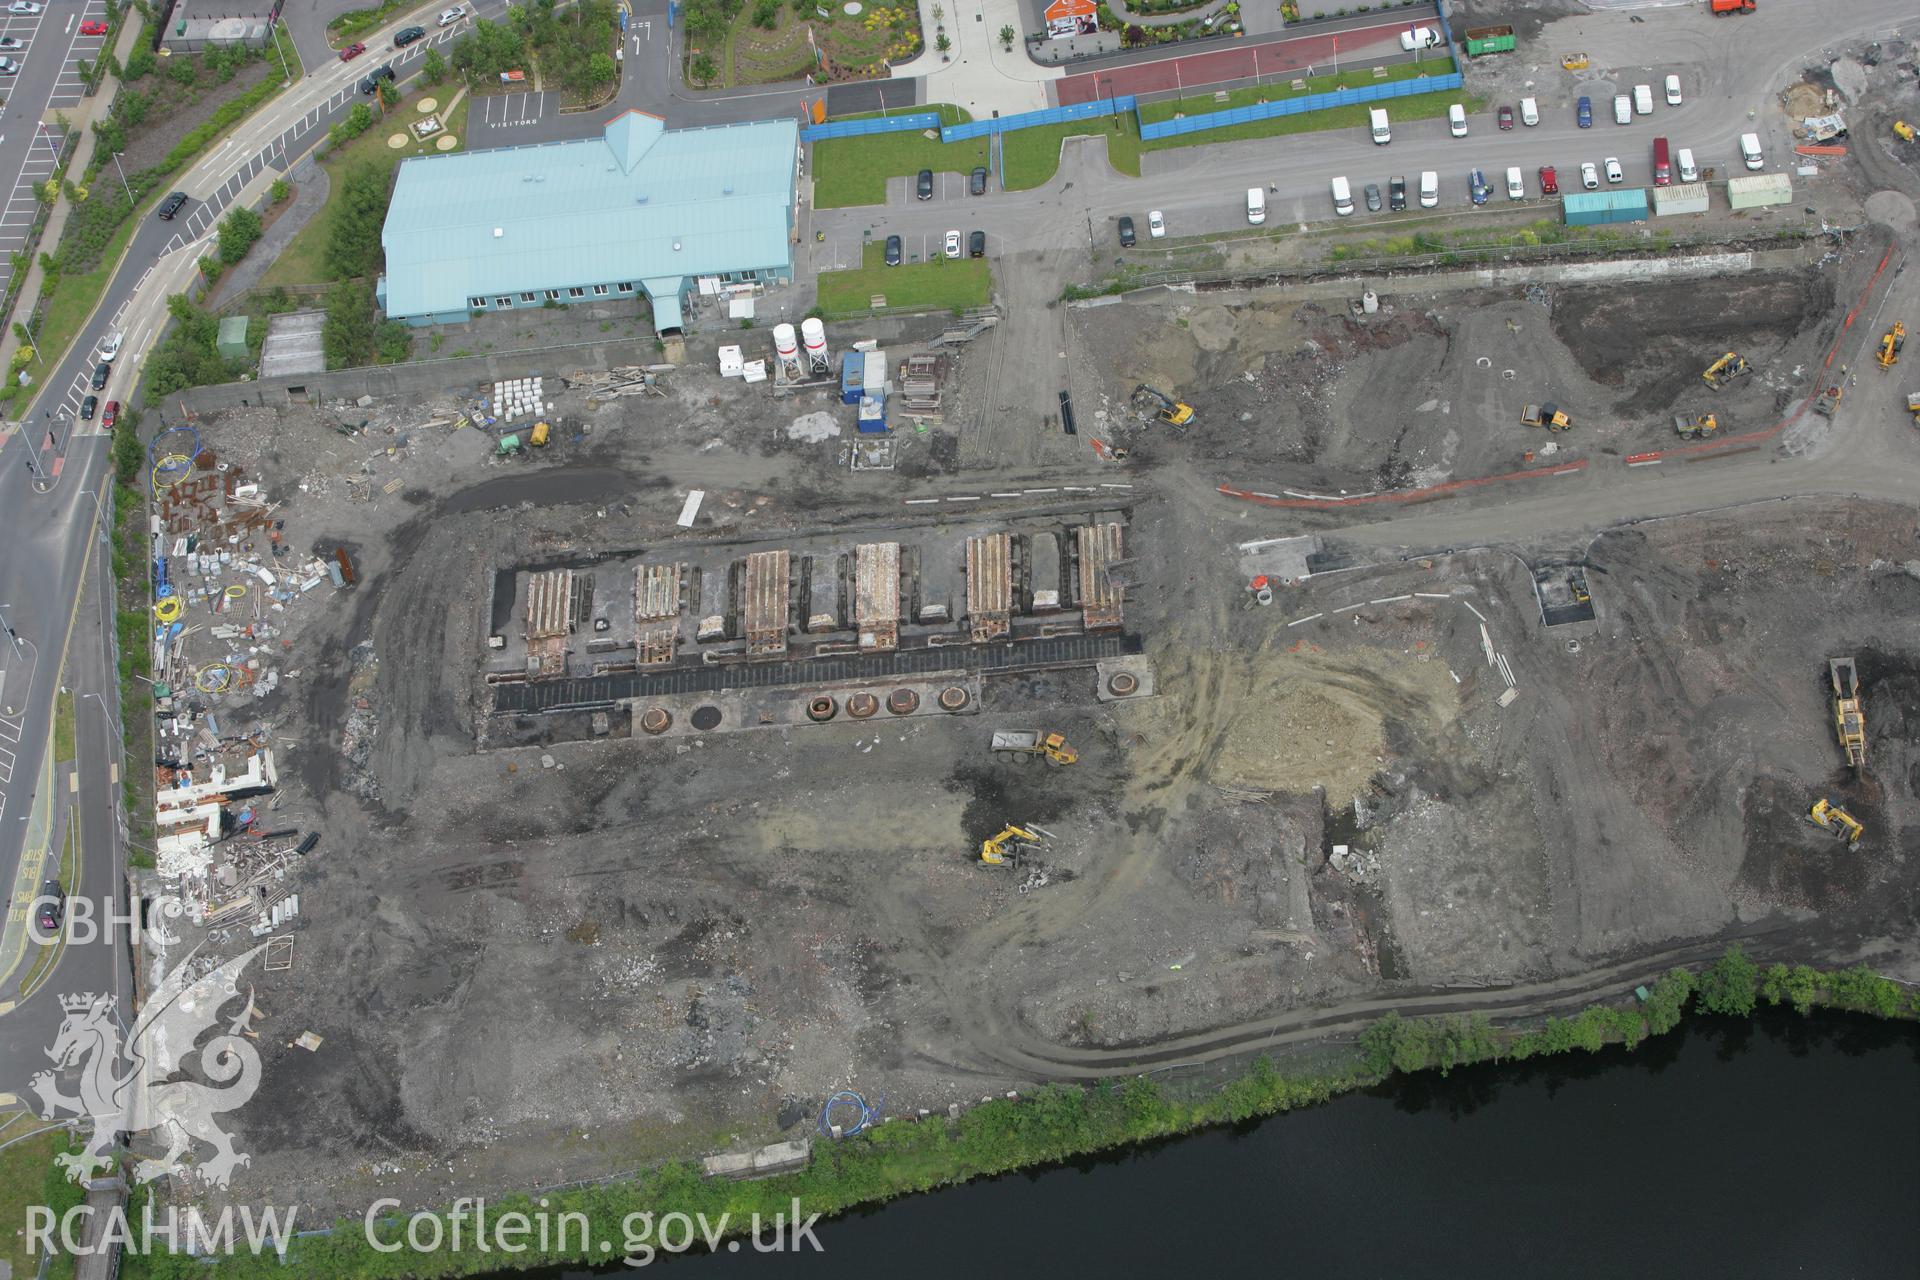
953	698
1122	683
707	717
656	720
903	702
862	705
821	707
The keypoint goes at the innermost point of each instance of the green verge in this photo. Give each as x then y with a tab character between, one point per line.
850	171
28	1177
1421	106
133	625
1032	156
63	725
1280	90
944	283
1056	1124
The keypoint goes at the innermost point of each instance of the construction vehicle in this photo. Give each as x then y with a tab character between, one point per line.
1027	744
1727	369
1696	426
1913	406
1550	416
1009	843
1849	710
1721	8
1574	61
1903	130
1837	822
541	433
1162	406
1827	398
1896	338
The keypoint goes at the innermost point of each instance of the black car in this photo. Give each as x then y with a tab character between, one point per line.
374	77
923	185
977	245
407	35
893	251
1396	193
87	407
100	374
1126	233
50	907
172	205
977	183
1373	197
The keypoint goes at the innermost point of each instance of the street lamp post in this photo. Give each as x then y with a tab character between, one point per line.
112	726
13	639
105	523
123	177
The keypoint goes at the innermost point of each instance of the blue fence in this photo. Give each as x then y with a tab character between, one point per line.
1300	105
1033	119
916	120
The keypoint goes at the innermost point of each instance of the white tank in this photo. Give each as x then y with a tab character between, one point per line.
814	333
1369	302
783	341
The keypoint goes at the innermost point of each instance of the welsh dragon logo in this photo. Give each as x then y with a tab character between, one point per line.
124	1083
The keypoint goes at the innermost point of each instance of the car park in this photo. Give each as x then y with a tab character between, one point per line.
1396	193
93	27
8	67
110	413
923	185
352	51
10	42
1506	119
371	84
1342	192
1643	99
1583	112
1614	172
1589	175
1156	224
952	247
977	244
1689	171
1622	109
1529	112
893	251
1127	240
1516	185
87	407
1549	181
1477	188
450	16
172	205
977	181
1673	91
1372	196
407	35
49	907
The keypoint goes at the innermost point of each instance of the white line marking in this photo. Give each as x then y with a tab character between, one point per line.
1309	618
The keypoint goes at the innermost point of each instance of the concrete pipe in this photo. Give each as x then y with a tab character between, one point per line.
820	707
903	702
1122	683
953	698
656	720
862	705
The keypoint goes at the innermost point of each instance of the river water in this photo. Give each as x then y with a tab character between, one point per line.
1784	1146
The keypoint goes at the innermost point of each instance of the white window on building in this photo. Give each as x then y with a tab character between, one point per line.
503	302
478	304
625	286
553	295
576	293
599	291
527	297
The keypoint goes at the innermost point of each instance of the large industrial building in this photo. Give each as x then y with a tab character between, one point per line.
640	209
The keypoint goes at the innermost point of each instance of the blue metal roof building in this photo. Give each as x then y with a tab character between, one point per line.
640	207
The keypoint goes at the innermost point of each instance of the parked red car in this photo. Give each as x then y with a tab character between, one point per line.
1506	118
1549	181
352	51
93	27
111	412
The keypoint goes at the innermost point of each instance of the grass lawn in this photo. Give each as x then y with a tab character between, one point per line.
77	296
849	171
945	282
63	725
1279	89
1032	156
303	261
1419	107
23	1178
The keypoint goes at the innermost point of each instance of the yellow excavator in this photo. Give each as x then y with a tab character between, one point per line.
1007	844
1827	398
1696	426
1164	407
1837	822
1028	743
1550	416
1728	369
1849	710
1896	338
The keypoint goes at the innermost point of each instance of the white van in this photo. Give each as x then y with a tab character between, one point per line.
1419	38
1622	109
1457	120
1342	197
1429	189
1256	206
1516	186
1377	123
1529	112
1643	99
1689	172
1750	151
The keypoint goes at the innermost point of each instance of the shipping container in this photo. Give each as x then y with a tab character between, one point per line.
1482	40
1688	197
1759	190
853	376
1592	208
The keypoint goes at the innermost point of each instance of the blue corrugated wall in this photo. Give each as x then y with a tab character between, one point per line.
1301	105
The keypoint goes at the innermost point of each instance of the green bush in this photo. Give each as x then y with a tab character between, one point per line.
348	335
181	70
1730	984
238	232
357	121
353	239
139	63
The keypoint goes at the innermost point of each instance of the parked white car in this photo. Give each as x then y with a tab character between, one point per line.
110	346
1589	175
1673	91
23	7
450	16
953	244
1156	224
1614	172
